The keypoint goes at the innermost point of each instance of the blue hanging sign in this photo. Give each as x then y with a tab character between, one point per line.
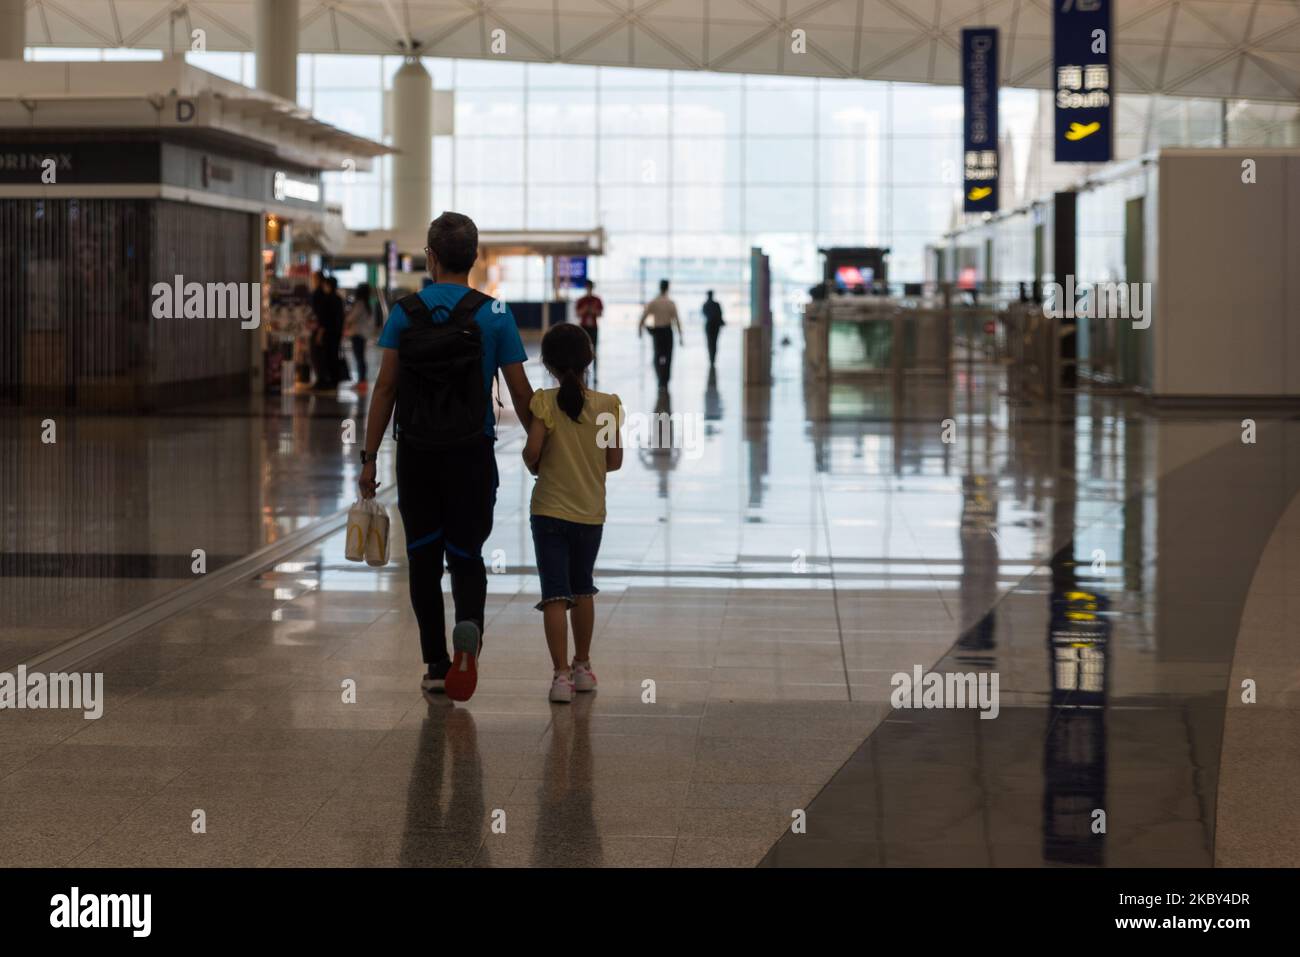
979	83
1082	78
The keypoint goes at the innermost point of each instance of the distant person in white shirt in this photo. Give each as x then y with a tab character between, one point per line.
661	313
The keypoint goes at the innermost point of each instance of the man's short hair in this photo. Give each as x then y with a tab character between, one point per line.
663	285
590	285
453	240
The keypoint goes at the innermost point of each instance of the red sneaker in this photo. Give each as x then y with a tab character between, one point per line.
462	677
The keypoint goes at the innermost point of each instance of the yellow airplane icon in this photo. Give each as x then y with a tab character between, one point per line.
979	192
1078	131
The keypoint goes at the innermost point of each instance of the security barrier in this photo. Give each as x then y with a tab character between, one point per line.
870	336
1033	351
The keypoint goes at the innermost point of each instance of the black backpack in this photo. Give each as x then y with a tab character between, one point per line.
441	402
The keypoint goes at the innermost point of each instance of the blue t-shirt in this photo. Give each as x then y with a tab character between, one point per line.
501	343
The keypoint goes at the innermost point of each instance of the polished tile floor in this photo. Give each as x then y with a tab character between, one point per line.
760	585
106	517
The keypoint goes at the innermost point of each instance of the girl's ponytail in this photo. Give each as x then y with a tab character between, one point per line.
570	398
566	351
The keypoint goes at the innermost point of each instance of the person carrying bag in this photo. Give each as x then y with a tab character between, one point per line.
441	349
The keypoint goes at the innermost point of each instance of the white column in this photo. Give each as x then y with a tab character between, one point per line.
276	47
13	29
413	162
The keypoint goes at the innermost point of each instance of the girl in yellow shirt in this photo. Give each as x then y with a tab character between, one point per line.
572	444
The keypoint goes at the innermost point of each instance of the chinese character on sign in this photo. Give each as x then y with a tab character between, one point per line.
972	159
1069	77
1096	76
988	158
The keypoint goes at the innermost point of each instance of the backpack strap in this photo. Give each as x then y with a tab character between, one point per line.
464	314
465	311
417	313
468	307
415	308
461	315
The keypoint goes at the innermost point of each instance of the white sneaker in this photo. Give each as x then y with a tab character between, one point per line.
584	679
562	689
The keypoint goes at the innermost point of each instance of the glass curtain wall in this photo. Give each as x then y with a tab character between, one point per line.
687	170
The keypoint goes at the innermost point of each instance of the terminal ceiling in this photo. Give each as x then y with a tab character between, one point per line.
1215	48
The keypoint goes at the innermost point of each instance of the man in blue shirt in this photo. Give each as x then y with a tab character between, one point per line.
446	496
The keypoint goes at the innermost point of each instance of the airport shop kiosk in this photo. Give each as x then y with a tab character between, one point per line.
116	178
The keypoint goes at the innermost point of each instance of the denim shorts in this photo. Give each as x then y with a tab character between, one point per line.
566	556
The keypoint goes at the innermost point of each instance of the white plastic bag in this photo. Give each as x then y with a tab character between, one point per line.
359	518
377	535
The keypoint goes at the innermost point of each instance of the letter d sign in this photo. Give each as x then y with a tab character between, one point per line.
184	111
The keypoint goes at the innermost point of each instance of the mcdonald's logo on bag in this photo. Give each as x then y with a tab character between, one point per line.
359	520
356	545
377	537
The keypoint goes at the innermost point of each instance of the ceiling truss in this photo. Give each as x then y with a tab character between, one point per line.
1217	48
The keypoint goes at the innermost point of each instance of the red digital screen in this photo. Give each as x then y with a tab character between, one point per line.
851	278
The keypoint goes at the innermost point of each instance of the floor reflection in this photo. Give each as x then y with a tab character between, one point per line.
568	833
1109	756
979	561
758	417
660	449
1074	753
444	800
769	578
712	402
108	517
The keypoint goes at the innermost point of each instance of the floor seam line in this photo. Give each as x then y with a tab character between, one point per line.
835	596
